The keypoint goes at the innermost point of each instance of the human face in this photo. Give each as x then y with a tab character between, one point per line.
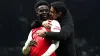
53	14
43	10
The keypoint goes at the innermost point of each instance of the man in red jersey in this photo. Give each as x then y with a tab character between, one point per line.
39	46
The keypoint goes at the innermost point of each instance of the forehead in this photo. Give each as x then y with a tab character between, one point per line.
43	7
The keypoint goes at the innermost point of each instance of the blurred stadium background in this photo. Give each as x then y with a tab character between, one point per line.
16	16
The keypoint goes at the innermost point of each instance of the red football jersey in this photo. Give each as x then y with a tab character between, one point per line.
42	44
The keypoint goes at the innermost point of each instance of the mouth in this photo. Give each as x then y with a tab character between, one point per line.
45	15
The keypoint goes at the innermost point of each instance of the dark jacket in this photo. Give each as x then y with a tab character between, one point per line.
65	36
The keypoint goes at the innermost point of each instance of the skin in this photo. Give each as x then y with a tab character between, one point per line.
53	13
43	10
54	16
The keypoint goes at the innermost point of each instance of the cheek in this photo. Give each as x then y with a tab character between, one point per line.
40	13
54	17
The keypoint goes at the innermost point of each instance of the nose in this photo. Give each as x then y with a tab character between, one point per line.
44	11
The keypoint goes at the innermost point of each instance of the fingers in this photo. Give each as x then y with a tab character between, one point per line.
43	30
47	23
41	33
33	43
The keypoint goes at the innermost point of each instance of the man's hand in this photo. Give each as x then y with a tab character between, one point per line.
47	24
41	32
32	43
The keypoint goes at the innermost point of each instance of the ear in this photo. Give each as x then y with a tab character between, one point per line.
59	14
37	12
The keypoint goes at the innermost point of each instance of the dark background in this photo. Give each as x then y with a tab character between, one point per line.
16	16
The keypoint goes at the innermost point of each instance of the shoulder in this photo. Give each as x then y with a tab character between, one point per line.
55	22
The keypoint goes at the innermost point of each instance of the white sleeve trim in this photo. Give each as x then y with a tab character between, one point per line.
25	49
55	44
52	48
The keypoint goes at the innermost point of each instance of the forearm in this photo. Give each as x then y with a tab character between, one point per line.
26	48
52	35
57	36
64	33
51	49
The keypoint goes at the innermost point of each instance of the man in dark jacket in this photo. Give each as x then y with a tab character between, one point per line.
59	12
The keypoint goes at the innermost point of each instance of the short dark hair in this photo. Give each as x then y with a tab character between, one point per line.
39	3
59	7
